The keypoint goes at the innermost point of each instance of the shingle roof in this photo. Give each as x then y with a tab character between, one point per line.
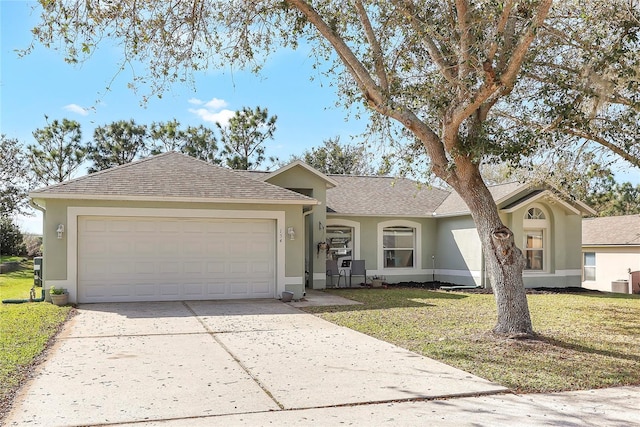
170	176
382	196
611	230
454	205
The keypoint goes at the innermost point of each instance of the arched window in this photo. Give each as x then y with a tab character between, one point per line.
535	213
343	237
535	239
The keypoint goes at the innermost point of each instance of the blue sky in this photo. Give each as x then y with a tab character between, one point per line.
43	84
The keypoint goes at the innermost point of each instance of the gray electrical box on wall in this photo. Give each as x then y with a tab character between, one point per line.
37	271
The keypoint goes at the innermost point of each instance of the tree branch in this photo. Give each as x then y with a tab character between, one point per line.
500	30
378	57
602	141
371	91
513	66
434	52
462	10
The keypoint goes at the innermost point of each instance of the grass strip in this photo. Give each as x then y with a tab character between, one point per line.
584	341
25	331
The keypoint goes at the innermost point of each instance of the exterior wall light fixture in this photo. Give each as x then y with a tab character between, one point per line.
292	233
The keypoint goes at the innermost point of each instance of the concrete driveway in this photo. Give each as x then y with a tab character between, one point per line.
200	362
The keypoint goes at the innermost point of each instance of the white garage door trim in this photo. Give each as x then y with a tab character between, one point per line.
71	284
174	259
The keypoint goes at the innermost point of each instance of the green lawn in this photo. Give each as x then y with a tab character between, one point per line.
25	330
584	340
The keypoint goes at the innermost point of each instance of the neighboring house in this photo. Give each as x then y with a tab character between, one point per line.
171	227
610	251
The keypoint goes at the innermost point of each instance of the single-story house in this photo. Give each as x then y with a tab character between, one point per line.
610	253
171	227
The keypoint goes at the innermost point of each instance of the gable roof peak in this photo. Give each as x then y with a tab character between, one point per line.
171	176
299	163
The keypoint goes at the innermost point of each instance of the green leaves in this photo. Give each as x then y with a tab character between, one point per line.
243	139
118	143
58	151
14	177
336	158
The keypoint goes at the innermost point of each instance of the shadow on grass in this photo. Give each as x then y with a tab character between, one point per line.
380	299
608	295
586	349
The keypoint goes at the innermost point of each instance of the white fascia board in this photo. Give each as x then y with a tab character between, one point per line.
338	214
546	194
612	245
330	182
66	196
514	193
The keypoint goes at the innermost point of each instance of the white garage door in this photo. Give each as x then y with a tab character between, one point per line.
173	259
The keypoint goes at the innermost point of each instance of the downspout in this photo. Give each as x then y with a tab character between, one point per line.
308	274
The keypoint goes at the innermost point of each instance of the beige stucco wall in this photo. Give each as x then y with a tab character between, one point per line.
612	264
459	253
369	246
55	250
459	258
563	242
313	185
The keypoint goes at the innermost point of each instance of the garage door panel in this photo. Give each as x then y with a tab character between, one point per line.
121	226
145	290
193	289
120	290
167	289
95	225
155	259
144	227
215	267
261	268
239	288
260	287
169	227
216	290
193	267
147	268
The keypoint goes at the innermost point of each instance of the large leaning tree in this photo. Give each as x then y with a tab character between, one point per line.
463	81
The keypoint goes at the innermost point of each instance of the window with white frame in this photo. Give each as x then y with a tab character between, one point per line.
340	239
535	213
534	249
398	244
535	226
589	266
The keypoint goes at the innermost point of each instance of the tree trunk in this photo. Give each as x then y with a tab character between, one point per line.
504	261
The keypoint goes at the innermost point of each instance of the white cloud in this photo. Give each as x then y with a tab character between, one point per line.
216	104
212	111
207	115
75	108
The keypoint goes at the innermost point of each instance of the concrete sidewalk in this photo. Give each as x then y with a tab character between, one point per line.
612	407
201	361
